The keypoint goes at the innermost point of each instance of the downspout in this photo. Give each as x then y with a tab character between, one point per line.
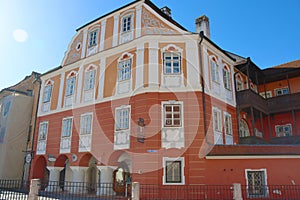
34	125
202	81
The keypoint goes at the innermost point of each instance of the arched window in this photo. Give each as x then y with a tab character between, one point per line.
89	78
239	83
71	82
244	129
124	67
214	70
172	60
47	91
226	77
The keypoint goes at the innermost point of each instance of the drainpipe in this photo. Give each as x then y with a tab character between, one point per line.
202	82
34	125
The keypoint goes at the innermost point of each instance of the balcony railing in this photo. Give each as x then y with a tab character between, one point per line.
284	103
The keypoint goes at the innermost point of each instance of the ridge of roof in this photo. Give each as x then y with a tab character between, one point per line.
149	3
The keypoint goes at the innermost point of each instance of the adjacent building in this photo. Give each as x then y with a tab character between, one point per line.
138	96
16	106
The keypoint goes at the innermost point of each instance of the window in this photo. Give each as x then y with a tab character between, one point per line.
263	94
86	124
47	93
93	38
172	63
127	23
66	127
70	86
124	70
214	70
281	91
173	171
89	80
226	78
172	115
122	121
283	130
43	131
217	120
256	183
228	124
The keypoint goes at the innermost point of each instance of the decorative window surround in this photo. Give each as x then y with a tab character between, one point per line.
172	124
263	94
215	75
66	135
47	96
127	28
124	84
172	75
89	83
282	91
85	137
42	138
239	83
122	127
217	126
228	128
93	42
173	171
70	88
256	180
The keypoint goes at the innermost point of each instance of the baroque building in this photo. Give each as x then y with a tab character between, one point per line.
139	95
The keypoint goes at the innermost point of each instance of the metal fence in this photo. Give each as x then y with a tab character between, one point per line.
274	192
14	189
196	192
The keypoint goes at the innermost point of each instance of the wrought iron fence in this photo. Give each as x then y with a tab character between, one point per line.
196	192
14	189
274	192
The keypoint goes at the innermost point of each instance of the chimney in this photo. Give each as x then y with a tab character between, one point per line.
166	10
202	24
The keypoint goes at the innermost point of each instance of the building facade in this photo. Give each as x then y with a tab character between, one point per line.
139	97
16	112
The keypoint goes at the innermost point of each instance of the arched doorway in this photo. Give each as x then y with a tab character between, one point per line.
122	175
40	171
244	129
91	175
62	161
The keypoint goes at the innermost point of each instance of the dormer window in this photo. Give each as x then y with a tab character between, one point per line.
93	38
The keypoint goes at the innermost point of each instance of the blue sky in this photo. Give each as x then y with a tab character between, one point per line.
265	30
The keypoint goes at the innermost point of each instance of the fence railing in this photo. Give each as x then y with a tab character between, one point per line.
19	190
14	189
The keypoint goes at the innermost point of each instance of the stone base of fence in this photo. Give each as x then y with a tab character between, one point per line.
34	189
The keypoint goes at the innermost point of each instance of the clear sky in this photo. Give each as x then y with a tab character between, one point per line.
34	34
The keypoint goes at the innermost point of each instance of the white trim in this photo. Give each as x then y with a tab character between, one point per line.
138	19
265	185
129	116
181	159
61	89
252	157
192	64
40	106
69	137
102	36
101	78
116	30
153	63
79	85
84	41
139	82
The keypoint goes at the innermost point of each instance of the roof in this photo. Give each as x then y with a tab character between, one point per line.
254	150
292	64
149	3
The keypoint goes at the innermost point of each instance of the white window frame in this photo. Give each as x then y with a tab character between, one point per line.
124	69
266	192
282	91
84	126
227	124
283	132
125	27
89	78
217	122
93	38
172	104
167	159
239	83
66	129
47	93
263	94
71	85
43	131
122	118
170	70
226	78
214	67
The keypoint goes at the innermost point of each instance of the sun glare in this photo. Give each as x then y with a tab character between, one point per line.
20	35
